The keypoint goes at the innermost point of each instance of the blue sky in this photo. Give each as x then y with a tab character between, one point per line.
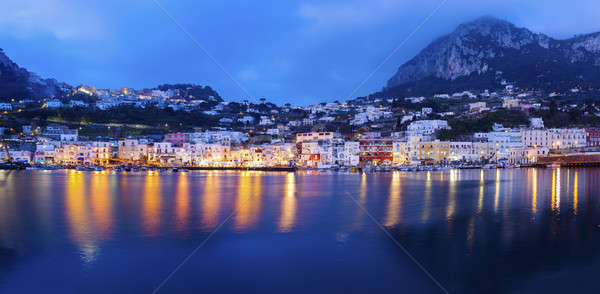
297	51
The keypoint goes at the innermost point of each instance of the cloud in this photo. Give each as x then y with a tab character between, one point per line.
63	19
249	75
348	14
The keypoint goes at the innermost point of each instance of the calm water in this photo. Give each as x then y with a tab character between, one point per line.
516	230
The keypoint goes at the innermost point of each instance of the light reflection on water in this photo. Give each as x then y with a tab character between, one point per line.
462	218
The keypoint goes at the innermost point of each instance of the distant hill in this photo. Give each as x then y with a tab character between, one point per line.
17	82
193	92
483	53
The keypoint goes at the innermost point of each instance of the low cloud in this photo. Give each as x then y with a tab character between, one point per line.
62	19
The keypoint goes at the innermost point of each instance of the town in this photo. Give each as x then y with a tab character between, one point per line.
368	132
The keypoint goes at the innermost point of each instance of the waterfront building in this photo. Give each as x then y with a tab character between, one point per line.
73	154
20	156
592	137
432	152
554	138
314	153
101	152
162	153
400	152
177	139
130	150
376	151
462	151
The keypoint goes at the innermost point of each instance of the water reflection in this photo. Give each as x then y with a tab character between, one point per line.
9	218
394	206
451	206
288	204
481	185
497	193
78	216
427	200
446	229
534	196
151	204
101	204
182	202
248	201
211	201
555	196
575	191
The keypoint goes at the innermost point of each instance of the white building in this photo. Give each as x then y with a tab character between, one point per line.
536	123
132	150
265	121
5	106
554	138
477	107
315	136
425	127
246	119
54	104
20	156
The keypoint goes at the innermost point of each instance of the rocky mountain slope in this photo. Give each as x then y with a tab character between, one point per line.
485	52
16	82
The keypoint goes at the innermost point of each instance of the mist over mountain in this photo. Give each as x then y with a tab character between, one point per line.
17	82
487	52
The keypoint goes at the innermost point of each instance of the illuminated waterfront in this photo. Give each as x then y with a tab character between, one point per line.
492	230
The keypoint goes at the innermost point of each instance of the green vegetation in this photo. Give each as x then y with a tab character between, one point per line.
121	119
463	127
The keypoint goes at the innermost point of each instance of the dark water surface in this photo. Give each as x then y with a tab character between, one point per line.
474	231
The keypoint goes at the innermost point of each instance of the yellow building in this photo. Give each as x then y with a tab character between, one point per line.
433	152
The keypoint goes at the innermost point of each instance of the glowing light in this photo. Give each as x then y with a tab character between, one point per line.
394	206
534	196
451	206
497	193
151	204
101	205
288	205
427	204
248	201
575	191
77	210
182	202
211	201
558	189
481	185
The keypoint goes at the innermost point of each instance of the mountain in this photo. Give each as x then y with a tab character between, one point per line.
17	82
483	53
